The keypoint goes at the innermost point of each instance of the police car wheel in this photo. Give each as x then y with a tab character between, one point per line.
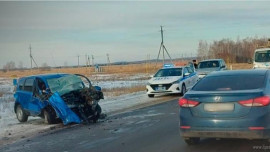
151	95
21	115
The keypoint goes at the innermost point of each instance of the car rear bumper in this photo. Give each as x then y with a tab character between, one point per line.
254	125
234	133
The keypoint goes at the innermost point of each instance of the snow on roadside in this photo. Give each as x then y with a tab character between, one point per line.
120	84
6	103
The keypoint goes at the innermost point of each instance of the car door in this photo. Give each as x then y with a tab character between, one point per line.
186	77
31	102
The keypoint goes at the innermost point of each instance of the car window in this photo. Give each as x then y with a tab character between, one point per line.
20	84
262	56
28	85
208	64
227	83
169	72
185	71
190	70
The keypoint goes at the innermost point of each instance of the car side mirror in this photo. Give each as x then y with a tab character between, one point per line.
15	82
98	88
186	74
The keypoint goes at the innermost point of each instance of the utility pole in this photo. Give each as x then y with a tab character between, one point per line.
163	48
108	59
78	60
86	61
147	63
31	58
89	61
92	60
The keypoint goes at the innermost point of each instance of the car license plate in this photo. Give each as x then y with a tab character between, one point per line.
160	88
218	107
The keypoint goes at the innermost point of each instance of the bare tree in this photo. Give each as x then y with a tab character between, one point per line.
45	67
231	51
9	66
20	66
203	50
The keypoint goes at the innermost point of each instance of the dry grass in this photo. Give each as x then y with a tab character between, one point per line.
236	66
116	69
112	69
122	91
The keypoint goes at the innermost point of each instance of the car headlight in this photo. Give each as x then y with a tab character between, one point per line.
175	82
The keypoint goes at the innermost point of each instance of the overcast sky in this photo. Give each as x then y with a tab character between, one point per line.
127	31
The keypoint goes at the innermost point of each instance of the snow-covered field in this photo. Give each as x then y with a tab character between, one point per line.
12	130
109	81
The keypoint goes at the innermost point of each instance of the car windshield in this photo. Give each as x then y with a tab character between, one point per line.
263	56
169	72
65	84
227	83
208	64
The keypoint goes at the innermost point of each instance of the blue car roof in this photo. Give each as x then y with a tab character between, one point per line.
46	76
238	72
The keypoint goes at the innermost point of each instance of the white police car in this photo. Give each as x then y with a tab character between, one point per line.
170	80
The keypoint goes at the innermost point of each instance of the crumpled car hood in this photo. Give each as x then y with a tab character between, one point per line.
62	110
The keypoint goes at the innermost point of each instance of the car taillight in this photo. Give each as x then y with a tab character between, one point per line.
257	102
187	103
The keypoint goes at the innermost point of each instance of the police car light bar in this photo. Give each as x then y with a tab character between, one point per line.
166	65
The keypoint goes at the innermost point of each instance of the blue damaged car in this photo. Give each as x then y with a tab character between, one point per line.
67	97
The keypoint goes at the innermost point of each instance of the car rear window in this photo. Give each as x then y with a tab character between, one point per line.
227	83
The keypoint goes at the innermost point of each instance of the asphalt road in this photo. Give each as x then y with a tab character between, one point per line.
150	129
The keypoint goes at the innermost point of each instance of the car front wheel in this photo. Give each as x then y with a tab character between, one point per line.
21	115
49	116
97	113
151	95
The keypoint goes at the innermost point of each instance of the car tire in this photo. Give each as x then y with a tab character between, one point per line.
49	116
192	141
21	115
183	90
97	113
151	95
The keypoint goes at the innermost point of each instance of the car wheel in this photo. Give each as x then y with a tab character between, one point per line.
21	115
49	116
192	141
151	95
183	90
97	113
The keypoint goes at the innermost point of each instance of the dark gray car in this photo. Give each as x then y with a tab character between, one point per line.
207	66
